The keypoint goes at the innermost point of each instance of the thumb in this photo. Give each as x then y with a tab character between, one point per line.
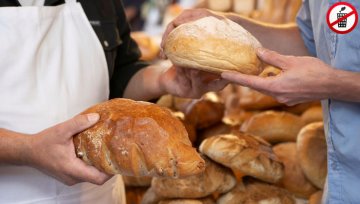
87	173
77	124
272	58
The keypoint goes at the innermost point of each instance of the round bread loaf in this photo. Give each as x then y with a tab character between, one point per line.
294	179
213	45
215	179
256	192
250	155
274	126
313	114
138	139
312	150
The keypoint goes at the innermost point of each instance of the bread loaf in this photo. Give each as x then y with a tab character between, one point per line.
137	139
250	99
248	154
255	192
215	179
148	48
213	45
204	113
311	146
150	197
188	201
216	5
316	198
294	179
313	114
274	126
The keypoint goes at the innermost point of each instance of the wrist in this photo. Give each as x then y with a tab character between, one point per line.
15	148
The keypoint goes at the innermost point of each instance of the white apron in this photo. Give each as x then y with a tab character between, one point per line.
52	67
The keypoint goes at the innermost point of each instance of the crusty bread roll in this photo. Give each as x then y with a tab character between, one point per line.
255	192
190	128
313	114
148	48
217	129
213	45
312	150
204	113
300	108
137	139
316	198
250	99
188	201
137	181
274	126
294	179
237	118
216	5
244	7
214	179
251	155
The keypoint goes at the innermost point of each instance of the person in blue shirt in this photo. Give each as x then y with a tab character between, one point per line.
317	64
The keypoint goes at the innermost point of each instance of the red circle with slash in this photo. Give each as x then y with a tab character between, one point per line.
342	23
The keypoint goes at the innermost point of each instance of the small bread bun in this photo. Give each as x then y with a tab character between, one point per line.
313	114
149	49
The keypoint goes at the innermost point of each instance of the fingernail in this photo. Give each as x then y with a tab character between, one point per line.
93	117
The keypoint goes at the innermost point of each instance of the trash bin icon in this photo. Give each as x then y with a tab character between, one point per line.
342	23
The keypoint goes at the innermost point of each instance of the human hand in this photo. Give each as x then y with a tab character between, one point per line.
302	79
190	83
186	16
53	152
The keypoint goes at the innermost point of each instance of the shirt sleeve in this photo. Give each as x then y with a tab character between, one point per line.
127	62
304	23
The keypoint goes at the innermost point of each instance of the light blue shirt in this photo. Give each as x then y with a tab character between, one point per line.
341	119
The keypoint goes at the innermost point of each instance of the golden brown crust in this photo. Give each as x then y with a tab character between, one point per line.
148	48
213	45
313	114
294	179
251	192
312	150
137	139
215	179
316	198
246	153
250	99
274	126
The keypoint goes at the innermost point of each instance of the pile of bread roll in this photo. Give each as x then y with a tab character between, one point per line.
270	11
255	149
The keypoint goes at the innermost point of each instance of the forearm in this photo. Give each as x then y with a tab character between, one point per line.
285	39
13	147
344	85
144	85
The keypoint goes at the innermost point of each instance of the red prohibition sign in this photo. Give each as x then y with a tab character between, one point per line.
334	24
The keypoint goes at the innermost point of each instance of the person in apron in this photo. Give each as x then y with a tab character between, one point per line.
56	61
331	74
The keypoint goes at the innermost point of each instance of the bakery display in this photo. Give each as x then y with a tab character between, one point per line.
294	179
137	139
213	45
274	126
215	179
246	153
311	147
252	191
